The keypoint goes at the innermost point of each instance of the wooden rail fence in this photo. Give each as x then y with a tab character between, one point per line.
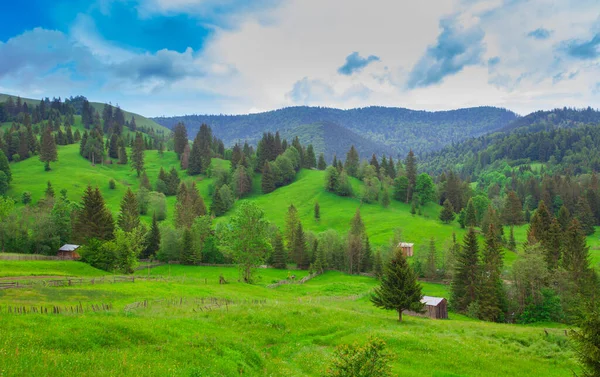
67	282
55	309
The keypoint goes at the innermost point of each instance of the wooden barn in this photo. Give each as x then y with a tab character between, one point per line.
68	252
435	307
407	248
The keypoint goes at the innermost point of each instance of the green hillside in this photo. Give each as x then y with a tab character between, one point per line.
140	120
288	331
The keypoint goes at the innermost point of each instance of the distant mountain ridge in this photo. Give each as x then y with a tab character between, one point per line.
394	130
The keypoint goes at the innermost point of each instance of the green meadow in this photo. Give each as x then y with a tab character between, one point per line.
291	330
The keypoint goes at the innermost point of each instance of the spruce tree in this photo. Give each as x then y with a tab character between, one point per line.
122	155
217	206
180	138
585	216
399	289
317	211
587	341
512	243
411	174
5	167
431	262
292	219
49	193
576	256
94	219
352	161
401	189
152	239
48	151
465	282
145	182
513	209
310	161
129	217
366	260
299	252
195	158
564	218
447	212
492	298
113	149
385	198
321	165
267	182
374	162
470	215
137	153
278	252
378	265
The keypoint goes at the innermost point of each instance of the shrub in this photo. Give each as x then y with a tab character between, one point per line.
369	360
26	197
112	184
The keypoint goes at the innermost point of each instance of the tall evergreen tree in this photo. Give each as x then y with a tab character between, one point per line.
411	174
366	260
576	256
129	217
317	211
217	207
199	159
152	244
374	162
310	161
279	252
465	282
292	219
48	151
470	215
399	289
585	216
352	161
492	298
94	219
49	193
587	341
5	167
137	153
322	165
145	182
564	218
513	208
267	182
447	212
113	149
180	138
299	252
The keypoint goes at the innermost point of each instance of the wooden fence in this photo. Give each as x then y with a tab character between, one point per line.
301	281
55	309
67	282
28	257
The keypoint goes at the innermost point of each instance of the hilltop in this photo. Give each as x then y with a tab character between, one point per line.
394	130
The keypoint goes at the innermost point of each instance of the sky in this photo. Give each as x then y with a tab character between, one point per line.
175	57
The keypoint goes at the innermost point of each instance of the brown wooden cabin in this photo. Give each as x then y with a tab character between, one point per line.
435	307
407	248
68	252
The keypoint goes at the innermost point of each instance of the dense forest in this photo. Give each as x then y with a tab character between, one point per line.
392	129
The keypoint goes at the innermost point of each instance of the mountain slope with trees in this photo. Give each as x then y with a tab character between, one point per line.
391	128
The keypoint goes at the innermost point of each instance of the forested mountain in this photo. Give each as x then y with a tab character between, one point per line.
396	129
565	140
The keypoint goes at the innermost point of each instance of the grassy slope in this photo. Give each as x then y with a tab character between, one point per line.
293	333
139	119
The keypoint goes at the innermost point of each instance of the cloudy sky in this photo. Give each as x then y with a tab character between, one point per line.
167	57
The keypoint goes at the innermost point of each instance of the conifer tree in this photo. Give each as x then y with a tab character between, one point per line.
291	226
431	262
465	282
470	215
374	162
49	193
94	219
5	167
585	216
217	206
401	189
113	149
180	138
366	260
301	257
145	182
331	179
352	161
564	218
267	182
513	208
492	298
129	217
242	182
587	341
575	258
185	157
385	197
137	154
378	266
320	263
48	151
152	239
512	243
310	161
195	164
322	165
188	252
334	163
399	289
411	174
447	212
279	252
123	155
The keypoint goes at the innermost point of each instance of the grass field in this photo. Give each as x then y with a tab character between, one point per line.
288	331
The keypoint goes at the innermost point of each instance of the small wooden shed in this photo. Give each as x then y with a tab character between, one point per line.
435	307
407	248
68	252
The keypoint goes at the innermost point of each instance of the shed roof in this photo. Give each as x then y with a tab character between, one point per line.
433	301
406	244
68	247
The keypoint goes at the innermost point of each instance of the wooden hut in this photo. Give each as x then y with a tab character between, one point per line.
435	307
407	248
68	252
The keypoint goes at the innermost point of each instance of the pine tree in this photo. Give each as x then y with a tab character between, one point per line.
48	151
129	217
374	162
352	161
5	167
113	149
576	255
492	298
217	206
378	266
317	211
513	208
137	154
385	198
49	193
470	215
411	174
366	260
585	216
587	342
145	182
185	157
399	289
122	155
332	177
431	263
195	158
401	189
291	226
300	255
310	161
180	138
465	282
512	243
552	244
564	218
152	239
94	219
447	212
321	165
267	182
188	254
279	252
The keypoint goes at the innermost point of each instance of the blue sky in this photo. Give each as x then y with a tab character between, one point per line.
167	57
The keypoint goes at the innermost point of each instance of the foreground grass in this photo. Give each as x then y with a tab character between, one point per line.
288	331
